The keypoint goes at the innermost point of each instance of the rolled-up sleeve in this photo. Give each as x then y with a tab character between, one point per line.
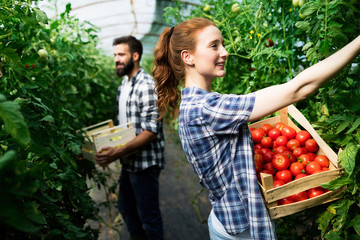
226	112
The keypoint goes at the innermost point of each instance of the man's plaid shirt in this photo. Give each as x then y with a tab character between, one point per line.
217	141
142	112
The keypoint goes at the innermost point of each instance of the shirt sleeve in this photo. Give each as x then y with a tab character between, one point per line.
148	108
226	112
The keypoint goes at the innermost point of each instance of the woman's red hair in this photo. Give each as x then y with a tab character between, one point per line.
168	68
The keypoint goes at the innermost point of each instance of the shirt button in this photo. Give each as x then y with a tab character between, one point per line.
228	103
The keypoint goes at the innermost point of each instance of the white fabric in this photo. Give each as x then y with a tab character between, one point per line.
125	91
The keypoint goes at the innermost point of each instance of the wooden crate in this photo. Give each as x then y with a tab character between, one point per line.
271	194
105	134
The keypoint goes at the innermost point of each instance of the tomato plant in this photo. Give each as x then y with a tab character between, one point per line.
49	72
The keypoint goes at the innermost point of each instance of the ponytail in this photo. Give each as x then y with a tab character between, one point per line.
166	82
168	68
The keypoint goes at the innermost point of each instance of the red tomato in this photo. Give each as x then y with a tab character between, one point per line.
267	142
278	183
281	141
280	161
302	136
257	135
258	146
311	145
322	160
300	196
304	159
268	156
274	133
266	127
258	150
258	157
252	129
300	175
296	168
312	156
298	151
280	149
288	132
325	169
284	175
314	192
270	167
279	125
258	162
267	171
286	200
292	144
290	156
264	150
313	167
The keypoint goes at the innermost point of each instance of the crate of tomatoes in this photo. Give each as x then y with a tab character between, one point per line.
292	161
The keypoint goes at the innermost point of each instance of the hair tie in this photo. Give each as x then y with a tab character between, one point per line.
171	31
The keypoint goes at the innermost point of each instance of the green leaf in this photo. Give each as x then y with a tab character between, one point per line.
7	158
337	183
347	157
355	223
354	126
14	122
302	25
324	221
308	8
307	46
40	15
342	127
33	213
12	214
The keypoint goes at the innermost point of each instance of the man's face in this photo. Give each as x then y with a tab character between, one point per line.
123	60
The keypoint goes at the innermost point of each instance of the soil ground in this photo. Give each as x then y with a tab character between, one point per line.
183	203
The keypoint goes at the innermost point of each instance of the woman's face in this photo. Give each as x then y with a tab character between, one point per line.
210	55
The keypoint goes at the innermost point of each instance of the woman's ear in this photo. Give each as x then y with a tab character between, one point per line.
187	58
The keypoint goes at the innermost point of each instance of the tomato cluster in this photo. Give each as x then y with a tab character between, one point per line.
287	155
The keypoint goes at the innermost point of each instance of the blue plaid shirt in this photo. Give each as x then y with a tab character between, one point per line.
217	141
142	112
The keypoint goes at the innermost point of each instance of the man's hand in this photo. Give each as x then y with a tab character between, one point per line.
107	155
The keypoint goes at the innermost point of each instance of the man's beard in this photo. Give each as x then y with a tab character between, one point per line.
126	69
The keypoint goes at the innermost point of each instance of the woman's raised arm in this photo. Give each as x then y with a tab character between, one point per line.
271	99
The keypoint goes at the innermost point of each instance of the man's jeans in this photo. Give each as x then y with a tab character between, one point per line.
138	202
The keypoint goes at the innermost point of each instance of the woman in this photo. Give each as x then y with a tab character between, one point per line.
213	127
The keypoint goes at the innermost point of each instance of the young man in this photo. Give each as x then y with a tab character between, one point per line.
142	158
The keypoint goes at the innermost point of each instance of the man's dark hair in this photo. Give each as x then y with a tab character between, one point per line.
134	44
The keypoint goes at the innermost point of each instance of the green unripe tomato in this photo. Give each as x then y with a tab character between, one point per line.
206	8
301	2
295	3
235	8
302	16
43	53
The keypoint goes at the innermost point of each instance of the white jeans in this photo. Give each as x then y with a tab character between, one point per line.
218	232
